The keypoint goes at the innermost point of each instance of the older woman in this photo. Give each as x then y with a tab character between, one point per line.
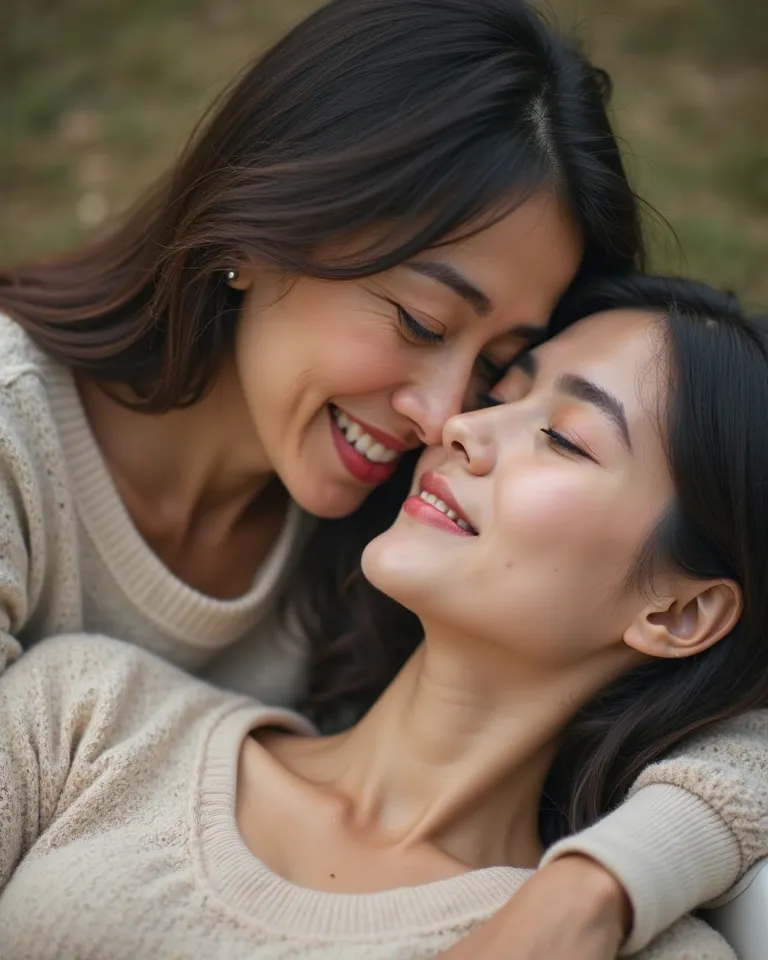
587	560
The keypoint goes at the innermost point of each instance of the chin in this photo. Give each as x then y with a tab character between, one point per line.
393	564
330	501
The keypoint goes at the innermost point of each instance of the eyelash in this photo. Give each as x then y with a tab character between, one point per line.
558	440
417	330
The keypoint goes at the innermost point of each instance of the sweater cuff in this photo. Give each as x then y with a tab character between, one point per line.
670	851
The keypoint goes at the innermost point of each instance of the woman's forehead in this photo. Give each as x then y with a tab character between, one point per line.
616	337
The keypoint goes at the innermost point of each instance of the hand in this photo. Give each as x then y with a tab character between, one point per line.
572	909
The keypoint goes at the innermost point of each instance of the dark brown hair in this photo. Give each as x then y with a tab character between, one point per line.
399	121
406	120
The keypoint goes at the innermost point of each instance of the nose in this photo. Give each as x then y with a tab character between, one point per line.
468	438
434	396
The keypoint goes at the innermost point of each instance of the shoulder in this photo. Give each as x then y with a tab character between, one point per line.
688	939
83	660
81	683
26	417
19	354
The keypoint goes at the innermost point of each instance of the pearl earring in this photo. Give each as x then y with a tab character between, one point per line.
231	275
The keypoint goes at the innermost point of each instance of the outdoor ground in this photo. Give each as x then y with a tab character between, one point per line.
97	96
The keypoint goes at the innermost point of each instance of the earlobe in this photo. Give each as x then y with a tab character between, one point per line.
238	279
698	616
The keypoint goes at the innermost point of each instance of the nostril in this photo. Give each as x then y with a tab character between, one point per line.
457	447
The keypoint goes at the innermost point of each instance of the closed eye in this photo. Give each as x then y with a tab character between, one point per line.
417	330
560	442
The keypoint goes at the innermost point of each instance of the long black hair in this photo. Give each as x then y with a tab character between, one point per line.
714	426
714	429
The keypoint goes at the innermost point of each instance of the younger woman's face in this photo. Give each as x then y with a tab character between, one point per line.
555	490
340	378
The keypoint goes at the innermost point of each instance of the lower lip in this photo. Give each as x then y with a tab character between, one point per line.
424	512
362	469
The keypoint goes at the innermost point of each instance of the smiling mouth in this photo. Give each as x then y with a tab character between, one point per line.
367	458
364	444
438	504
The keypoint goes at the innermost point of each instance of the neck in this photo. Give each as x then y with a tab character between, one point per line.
202	457
457	749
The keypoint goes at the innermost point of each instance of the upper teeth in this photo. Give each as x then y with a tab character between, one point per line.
443	508
363	442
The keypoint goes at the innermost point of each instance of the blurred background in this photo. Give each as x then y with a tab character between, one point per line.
98	96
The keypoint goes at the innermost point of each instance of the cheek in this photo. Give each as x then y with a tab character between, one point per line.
324	354
546	510
574	531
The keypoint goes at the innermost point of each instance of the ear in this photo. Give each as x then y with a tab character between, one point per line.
242	281
700	613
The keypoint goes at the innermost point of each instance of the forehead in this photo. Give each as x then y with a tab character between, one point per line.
525	261
614	348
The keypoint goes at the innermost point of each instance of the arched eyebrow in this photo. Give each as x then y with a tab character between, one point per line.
589	392
582	389
480	302
450	277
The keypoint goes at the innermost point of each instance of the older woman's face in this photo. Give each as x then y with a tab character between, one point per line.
544	500
340	378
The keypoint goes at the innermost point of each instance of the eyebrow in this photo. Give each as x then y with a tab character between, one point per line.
581	389
450	277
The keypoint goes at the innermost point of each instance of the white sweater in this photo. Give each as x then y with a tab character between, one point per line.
72	561
118	835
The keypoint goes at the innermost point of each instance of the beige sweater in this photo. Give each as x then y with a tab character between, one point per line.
118	837
72	561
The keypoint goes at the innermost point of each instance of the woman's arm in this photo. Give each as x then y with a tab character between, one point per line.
571	910
63	706
15	565
583	927
40	590
34	758
692	825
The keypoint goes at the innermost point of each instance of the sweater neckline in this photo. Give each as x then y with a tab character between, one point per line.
243	882
181	611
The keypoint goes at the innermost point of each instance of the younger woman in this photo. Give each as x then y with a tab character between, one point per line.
588	562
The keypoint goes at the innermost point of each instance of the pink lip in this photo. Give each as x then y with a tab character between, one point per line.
432	482
424	512
379	435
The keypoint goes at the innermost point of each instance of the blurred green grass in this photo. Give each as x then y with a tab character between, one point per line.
99	96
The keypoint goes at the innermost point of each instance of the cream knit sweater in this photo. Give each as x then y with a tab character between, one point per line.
72	561
118	837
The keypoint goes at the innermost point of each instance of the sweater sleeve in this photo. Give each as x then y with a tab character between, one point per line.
691	826
688	939
68	707
39	572
14	559
40	720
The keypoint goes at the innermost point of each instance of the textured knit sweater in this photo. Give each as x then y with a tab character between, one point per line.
72	561
119	840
